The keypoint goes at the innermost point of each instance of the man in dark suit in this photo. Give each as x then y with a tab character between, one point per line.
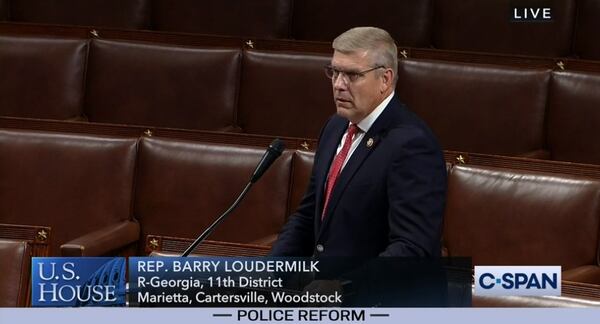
378	183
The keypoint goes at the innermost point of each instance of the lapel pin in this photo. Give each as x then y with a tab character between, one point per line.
370	142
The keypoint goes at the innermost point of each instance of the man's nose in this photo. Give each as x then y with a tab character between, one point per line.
339	83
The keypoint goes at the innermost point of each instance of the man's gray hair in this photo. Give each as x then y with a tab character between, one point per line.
377	40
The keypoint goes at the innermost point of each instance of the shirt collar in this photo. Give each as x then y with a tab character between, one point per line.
365	124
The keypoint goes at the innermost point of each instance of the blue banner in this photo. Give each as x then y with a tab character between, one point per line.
73	282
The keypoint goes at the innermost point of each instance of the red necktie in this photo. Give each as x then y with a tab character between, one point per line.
337	164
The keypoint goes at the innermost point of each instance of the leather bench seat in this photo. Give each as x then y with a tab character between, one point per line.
478	108
42	77
514	217
90	187
284	93
79	185
484	108
573	117
165	86
183	186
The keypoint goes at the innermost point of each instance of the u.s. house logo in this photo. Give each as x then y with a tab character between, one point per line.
517	280
72	282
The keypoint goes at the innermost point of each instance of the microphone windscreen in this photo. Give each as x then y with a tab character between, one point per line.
278	146
273	152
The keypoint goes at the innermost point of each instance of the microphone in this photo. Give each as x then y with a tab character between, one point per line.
273	152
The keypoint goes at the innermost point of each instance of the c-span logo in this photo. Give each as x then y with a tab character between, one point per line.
517	280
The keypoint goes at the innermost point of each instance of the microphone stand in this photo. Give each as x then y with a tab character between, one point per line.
217	222
272	153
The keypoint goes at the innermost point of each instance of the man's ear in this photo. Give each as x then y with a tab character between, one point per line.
388	80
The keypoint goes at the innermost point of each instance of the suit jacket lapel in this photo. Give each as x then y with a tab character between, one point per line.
353	164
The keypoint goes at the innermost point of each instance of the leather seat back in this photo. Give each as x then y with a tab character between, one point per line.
284	93
182	187
574	116
477	108
159	85
512	217
73	183
42	77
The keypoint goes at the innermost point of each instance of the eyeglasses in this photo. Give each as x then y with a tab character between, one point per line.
348	76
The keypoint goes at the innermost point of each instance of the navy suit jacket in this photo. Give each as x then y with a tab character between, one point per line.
388	200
